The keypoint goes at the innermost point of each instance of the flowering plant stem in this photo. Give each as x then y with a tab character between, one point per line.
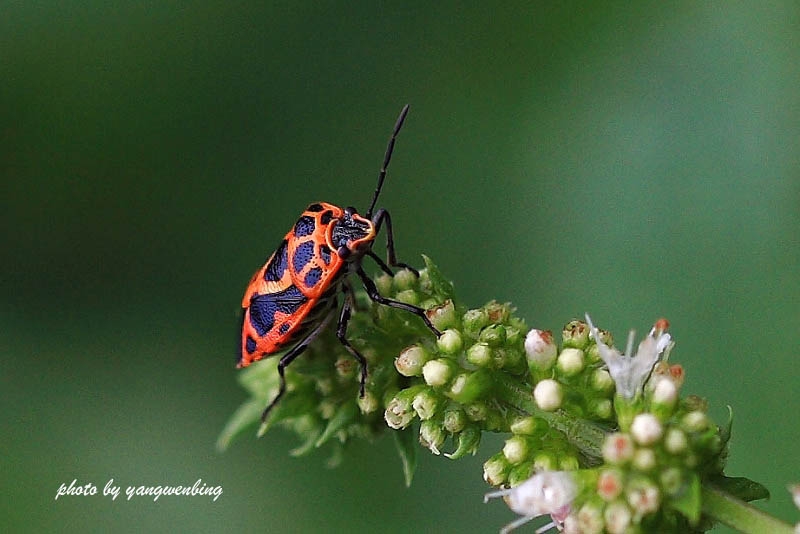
727	509
588	438
599	440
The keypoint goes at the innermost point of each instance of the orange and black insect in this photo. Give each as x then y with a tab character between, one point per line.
295	295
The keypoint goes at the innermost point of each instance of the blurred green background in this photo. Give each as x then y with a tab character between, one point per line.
633	162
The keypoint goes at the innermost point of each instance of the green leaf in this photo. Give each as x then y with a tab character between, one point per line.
742	488
344	415
309	444
440	285
406	442
689	502
245	415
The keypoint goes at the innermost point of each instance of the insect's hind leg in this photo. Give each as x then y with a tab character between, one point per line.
341	333
373	293
290	356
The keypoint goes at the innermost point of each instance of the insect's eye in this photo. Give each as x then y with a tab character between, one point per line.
350	210
343	252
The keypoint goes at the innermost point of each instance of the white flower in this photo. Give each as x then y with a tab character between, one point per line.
631	371
546	493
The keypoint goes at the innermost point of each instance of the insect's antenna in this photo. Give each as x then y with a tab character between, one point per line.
386	158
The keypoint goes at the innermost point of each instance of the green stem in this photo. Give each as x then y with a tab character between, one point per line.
588	438
584	435
737	514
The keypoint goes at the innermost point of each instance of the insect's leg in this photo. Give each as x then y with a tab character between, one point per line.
372	291
341	333
347	287
385	268
290	356
381	216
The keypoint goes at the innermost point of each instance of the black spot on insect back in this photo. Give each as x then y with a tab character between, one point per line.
303	254
304	226
312	277
315	207
325	254
277	266
263	307
326	217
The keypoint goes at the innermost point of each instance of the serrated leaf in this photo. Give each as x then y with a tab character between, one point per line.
246	415
406	443
309	444
440	285
689	501
742	488
344	415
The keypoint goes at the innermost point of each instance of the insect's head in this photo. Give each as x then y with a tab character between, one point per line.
352	235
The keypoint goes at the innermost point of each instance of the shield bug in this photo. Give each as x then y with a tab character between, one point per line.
295	295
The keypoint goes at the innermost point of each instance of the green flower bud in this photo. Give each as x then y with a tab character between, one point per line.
545	461
601	408
399	413
384	284
454	419
438	372
696	421
529	426
590	519
450	342
617	516
467	442
675	441
509	359
548	395
568	462
493	335
498	313
443	316
495	470
399	410
644	459
516	449
469	387
345	366
541	349
646	429
618	448
610	484
602	382
513	336
643	496
520	473
431	435
408	296
671	481
426	403
411	360
477	411
368	403
474	321
575	334
404	279
479	354
570	362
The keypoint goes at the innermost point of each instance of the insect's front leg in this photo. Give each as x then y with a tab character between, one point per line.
381	216
373	293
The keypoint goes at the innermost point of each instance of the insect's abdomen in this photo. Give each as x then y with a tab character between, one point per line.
293	289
